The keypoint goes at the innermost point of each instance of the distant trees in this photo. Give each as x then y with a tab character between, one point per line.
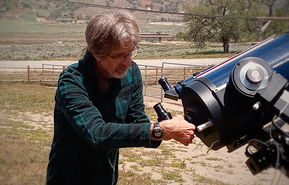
221	28
56	14
277	27
79	17
150	5
172	7
158	1
233	20
109	2
270	4
132	1
71	14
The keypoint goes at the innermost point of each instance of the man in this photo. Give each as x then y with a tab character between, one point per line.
99	107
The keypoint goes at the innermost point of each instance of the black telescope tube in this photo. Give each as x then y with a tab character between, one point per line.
164	83
162	113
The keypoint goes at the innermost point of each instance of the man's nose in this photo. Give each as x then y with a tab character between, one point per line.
127	60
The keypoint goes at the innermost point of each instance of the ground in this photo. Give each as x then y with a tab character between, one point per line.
201	166
172	162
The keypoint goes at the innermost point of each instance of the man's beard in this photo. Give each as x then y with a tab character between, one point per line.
116	74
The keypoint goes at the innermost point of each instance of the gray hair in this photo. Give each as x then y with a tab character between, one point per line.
111	28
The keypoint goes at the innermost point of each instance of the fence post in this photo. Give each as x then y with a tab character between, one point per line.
146	67
28	73
53	75
184	73
163	65
157	69
42	74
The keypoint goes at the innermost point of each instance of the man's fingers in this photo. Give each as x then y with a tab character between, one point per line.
192	135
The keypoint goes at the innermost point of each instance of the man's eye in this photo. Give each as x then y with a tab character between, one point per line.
120	56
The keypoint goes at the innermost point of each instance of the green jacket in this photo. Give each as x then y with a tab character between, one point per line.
89	126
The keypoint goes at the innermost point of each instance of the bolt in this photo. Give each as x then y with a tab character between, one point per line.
257	105
287	140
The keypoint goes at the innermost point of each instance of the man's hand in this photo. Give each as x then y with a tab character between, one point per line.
179	129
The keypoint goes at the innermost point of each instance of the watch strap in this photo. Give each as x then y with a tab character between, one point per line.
156	124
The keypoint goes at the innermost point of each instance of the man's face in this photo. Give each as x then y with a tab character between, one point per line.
116	64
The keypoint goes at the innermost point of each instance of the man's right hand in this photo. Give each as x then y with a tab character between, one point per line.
179	129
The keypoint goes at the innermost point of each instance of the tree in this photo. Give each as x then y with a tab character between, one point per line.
220	27
270	4
79	17
56	14
171	7
71	14
278	27
180	35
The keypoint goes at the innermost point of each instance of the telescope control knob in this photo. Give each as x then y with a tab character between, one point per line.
255	75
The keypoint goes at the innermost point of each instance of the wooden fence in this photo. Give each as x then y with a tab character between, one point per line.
48	75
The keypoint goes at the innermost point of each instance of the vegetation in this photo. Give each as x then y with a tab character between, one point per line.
276	27
26	132
64	46
24	142
228	20
212	28
26	115
31	40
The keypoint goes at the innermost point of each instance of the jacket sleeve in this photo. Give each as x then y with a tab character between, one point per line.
73	100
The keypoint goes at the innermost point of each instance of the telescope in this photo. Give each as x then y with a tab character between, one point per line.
242	101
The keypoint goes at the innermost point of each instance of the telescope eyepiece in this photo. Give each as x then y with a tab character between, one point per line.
162	113
163	81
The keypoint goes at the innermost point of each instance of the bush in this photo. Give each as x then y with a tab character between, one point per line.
45	57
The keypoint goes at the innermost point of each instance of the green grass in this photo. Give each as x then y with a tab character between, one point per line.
178	163
177	177
133	178
17	26
73	47
23	97
214	159
172	30
22	161
182	51
25	147
134	167
164	50
204	180
10	4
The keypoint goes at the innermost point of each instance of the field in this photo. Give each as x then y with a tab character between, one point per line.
23	38
26	114
26	132
40	41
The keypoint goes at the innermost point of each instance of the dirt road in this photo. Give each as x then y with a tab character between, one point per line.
6	65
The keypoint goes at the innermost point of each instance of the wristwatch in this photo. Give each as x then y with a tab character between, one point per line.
157	131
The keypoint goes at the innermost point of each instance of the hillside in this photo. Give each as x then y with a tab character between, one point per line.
46	29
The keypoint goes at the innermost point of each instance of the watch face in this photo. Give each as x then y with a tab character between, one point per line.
158	133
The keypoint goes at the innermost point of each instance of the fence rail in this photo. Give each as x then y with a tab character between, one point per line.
48	75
